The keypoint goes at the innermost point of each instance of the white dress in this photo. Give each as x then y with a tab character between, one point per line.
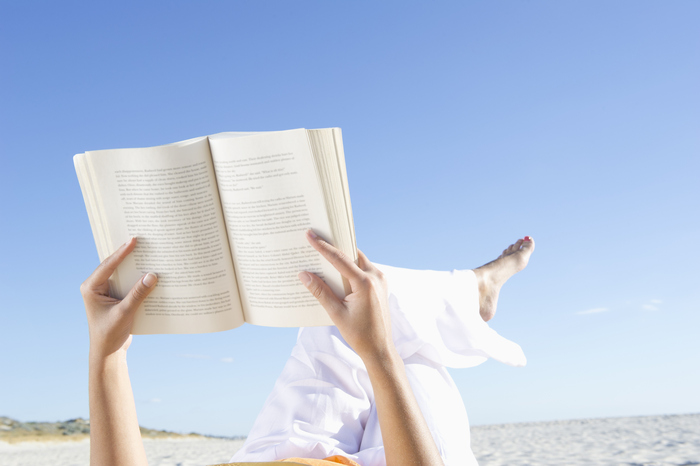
323	403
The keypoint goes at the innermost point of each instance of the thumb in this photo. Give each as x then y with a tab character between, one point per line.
322	292
139	292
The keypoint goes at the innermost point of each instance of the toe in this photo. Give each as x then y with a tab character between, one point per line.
528	245
514	247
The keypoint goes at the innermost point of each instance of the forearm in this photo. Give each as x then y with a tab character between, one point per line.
407	439
115	438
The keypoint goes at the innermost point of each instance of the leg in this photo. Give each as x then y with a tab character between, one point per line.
322	403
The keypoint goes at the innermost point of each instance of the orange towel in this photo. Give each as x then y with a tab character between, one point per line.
330	461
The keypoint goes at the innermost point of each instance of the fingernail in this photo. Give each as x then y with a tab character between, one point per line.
128	242
527	238
305	278
149	280
311	233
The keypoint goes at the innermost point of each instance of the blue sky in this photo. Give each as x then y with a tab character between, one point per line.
466	125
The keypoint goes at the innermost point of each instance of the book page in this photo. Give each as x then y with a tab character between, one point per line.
327	147
167	197
271	195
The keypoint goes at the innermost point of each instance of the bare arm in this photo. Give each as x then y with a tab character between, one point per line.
364	322
115	438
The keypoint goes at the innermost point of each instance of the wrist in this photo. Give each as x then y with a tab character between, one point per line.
384	360
98	357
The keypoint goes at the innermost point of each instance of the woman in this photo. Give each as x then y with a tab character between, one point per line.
363	322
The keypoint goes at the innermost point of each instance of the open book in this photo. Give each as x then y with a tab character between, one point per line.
221	220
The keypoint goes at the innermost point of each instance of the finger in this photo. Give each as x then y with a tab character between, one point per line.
109	265
364	263
336	257
139	292
369	268
322	293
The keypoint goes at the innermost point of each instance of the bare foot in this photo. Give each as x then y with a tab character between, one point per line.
493	275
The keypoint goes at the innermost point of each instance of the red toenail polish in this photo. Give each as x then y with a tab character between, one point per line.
527	238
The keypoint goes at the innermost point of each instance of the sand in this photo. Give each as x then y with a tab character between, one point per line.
633	441
160	452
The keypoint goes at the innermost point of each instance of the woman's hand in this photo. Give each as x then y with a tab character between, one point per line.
363	316
114	429
110	319
363	320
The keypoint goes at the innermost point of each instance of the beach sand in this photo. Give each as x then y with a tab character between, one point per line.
632	441
160	452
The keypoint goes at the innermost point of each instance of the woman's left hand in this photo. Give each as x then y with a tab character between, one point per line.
110	319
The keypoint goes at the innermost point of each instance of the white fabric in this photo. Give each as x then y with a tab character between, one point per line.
323	403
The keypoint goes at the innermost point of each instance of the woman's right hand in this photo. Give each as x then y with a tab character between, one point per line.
363	316
363	320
